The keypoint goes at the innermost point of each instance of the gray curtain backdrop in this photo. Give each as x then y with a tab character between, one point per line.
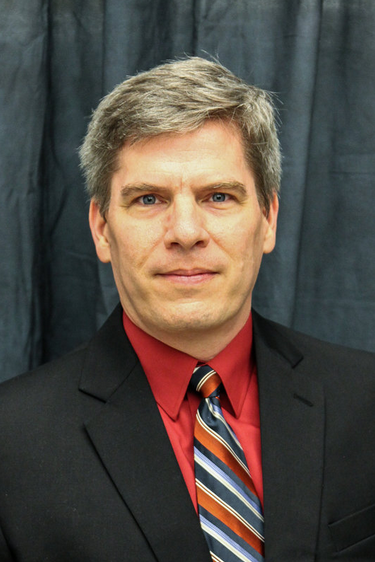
59	57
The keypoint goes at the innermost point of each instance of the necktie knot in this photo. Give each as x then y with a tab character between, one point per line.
206	381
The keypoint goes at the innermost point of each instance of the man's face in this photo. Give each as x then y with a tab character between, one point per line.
184	232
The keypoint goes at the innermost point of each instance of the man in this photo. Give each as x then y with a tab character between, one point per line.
97	449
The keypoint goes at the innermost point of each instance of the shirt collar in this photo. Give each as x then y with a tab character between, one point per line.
169	371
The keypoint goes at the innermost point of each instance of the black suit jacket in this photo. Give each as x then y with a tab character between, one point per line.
87	472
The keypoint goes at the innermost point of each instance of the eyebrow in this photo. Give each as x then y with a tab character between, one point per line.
137	189
228	185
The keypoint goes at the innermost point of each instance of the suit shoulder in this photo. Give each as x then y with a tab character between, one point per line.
321	354
45	380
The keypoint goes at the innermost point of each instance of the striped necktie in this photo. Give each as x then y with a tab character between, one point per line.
229	508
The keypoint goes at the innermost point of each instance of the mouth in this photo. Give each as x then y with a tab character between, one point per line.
188	276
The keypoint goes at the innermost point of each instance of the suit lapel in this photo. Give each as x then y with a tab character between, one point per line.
129	435
292	433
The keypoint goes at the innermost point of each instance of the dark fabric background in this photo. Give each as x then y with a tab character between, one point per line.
59	57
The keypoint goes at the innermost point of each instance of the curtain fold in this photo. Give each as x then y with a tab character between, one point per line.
59	57
23	100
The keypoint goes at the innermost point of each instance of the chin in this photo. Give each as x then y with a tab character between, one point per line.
194	320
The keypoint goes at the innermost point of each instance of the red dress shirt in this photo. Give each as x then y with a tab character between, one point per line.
169	371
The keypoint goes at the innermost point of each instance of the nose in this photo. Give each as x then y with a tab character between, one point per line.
185	225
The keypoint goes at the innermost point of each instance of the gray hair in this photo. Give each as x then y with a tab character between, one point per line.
179	97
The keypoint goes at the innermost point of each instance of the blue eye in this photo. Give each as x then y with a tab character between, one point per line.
148	199
219	197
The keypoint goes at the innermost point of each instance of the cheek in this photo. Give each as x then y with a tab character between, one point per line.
242	240
247	251
132	247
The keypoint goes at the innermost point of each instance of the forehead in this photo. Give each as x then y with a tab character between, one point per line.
208	153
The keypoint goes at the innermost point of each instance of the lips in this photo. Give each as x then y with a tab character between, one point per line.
188	272
188	276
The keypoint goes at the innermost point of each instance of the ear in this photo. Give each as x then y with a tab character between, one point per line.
99	232
271	225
